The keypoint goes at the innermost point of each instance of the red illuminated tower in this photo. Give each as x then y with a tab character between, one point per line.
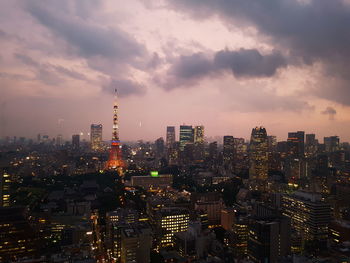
115	161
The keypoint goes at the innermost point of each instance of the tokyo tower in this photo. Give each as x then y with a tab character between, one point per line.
115	161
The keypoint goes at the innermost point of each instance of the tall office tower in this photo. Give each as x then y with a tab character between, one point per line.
5	182
115	222
213	150
170	137
310	144
228	151
76	141
115	161
96	136
310	215
18	239
38	138
272	143
186	136
258	156
159	147
331	143
59	140
199	134
170	220
269	239
198	151
136	242
296	143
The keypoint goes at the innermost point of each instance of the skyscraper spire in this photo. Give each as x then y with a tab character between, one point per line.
115	160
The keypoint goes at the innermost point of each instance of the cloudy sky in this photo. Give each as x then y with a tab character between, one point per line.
229	65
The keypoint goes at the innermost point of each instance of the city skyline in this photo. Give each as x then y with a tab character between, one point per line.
236	72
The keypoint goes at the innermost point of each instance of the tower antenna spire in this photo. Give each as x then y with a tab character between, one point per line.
115	160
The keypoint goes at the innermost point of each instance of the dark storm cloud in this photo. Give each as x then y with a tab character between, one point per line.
243	63
312	30
249	62
192	66
125	87
331	112
89	39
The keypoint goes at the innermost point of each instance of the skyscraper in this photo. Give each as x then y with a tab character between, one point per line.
186	136
309	213
96	136
199	134
228	151
331	143
76	141
272	143
269	239
115	160
258	157
170	136
4	189
296	143
311	144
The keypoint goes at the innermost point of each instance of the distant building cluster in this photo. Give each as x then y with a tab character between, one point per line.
182	199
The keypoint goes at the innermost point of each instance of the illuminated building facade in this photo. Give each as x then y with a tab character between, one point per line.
171	220
311	144
136	241
186	136
115	161
170	136
228	152
331	143
5	182
116	221
96	136
199	134
153	182
310	215
258	155
240	231
296	143
17	238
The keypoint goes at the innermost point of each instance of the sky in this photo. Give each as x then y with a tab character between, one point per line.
229	65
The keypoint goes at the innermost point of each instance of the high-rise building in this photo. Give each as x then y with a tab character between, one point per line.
115	161
310	215
170	136
159	147
296	143
228	151
115	222
331	143
59	140
96	136
17	238
269	239
170	220
186	136
258	156
272	143
136	242
76	141
310	144
213	151
5	182
199	134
